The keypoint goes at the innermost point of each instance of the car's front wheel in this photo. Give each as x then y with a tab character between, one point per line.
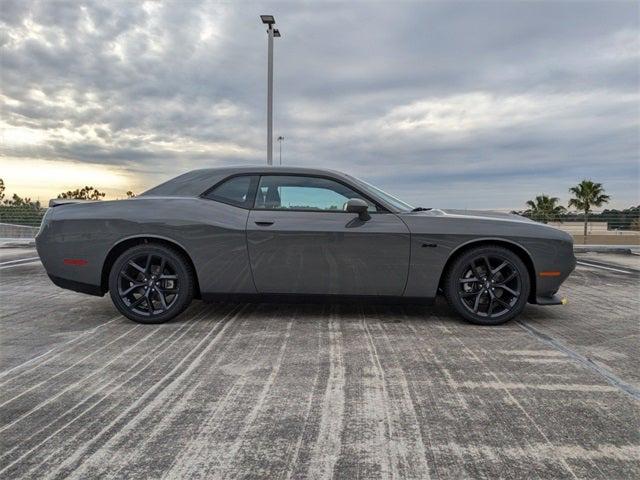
488	285
151	283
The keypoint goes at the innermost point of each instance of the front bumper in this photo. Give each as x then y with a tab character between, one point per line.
552	300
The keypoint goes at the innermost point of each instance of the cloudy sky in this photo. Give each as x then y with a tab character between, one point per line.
453	104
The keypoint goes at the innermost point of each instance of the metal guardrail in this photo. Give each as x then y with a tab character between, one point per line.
608	221
19	215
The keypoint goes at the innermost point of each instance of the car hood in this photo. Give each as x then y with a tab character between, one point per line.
472	214
480	222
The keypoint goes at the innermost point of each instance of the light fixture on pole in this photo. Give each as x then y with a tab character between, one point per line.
272	32
280	139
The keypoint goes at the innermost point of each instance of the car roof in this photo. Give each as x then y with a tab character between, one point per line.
195	182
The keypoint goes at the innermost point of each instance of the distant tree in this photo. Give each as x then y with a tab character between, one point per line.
544	208
85	193
587	194
130	194
18	201
635	224
1	189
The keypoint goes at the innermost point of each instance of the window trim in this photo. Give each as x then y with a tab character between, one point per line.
380	209
251	194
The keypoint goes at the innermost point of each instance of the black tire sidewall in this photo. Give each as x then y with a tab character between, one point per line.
185	279
456	271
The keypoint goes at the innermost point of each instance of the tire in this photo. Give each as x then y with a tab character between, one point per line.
151	283
487	298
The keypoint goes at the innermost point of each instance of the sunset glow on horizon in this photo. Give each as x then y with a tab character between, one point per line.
46	179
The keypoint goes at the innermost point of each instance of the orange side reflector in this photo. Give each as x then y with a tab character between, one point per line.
549	274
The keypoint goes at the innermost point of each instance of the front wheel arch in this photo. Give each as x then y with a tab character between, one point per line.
126	244
514	247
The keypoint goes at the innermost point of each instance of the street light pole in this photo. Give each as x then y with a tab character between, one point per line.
272	32
270	100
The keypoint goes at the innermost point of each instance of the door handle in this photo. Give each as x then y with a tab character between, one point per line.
264	223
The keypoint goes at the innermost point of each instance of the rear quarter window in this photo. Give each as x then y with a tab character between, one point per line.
238	191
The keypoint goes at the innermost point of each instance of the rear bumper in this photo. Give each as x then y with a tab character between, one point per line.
77	286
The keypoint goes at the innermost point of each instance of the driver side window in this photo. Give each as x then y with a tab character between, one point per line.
304	193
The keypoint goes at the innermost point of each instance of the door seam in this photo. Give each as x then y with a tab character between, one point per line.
246	244
406	280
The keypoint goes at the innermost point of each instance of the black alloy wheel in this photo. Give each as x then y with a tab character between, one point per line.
151	283
488	285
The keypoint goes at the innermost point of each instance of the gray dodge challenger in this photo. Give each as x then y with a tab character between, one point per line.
286	234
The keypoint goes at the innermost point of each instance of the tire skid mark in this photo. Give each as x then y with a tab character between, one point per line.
176	408
375	393
574	381
490	409
107	409
194	453
101	400
75	364
202	453
522	443
75	384
543	451
88	332
555	387
25	312
406	404
328	445
192	359
6	372
462	409
293	453
517	403
268	450
231	453
412	454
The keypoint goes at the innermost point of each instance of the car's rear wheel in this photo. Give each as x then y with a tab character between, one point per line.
151	283
488	285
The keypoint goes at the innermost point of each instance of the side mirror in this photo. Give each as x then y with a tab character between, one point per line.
359	206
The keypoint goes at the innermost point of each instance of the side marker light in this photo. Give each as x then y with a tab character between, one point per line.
550	274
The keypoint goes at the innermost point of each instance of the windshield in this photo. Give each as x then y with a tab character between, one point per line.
390	199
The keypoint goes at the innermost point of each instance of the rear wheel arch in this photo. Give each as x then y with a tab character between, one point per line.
512	246
127	243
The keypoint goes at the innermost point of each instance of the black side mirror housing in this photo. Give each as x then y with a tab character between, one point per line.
359	206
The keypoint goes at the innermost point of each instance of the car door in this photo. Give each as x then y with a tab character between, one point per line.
301	241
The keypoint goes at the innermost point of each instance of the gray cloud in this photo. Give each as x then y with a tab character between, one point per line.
464	104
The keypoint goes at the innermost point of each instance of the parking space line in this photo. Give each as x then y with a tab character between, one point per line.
604	267
8	262
30	262
582	360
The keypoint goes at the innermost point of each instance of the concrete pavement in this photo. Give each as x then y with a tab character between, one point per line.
315	391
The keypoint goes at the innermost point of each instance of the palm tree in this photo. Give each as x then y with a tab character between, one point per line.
544	208
587	194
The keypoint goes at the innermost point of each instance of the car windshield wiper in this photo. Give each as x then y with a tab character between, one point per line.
420	209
